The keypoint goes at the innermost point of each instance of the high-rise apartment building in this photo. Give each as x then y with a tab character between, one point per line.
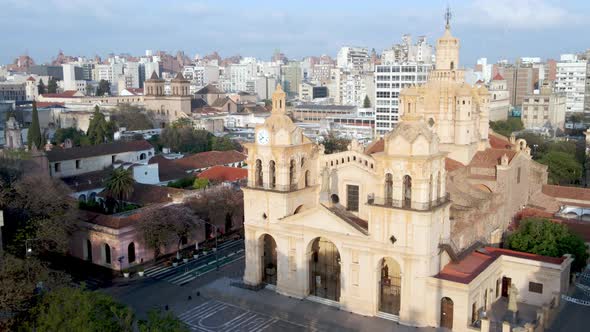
544	110
571	77
389	81
519	80
353	58
291	77
420	51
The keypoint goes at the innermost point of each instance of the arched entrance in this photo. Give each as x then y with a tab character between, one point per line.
446	313
269	260
131	252
324	270
390	286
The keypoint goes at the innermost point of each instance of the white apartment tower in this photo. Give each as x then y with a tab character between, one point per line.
353	58
571	79
390	79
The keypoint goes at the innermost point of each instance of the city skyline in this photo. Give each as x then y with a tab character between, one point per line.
498	30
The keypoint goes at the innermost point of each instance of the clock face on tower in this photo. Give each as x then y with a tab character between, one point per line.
263	137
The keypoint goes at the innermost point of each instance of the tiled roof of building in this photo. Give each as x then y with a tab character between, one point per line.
47	104
65	94
209	89
88	181
452	164
490	158
146	194
198	103
498	77
31	79
375	146
468	268
209	159
498	141
59	154
576	193
224	173
221	101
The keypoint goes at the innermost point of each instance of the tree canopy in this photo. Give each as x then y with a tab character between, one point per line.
542	237
367	102
159	321
78	137
131	118
186	139
563	167
104	88
99	129
333	144
120	184
34	137
75	309
224	144
52	86
165	226
507	127
41	87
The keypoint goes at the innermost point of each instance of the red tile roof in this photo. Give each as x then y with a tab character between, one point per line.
576	193
224	173
452	164
490	158
468	268
44	104
146	194
65	94
498	77
499	142
376	146
31	79
209	159
59	154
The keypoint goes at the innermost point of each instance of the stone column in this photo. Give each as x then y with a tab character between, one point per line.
252	271
506	327
485	325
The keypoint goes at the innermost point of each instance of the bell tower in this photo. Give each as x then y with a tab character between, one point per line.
447	48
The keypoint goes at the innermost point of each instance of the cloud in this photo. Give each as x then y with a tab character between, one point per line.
517	14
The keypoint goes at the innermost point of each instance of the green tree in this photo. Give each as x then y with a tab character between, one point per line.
52	86
75	309
543	237
162	227
34	137
367	102
89	90
41	87
186	139
132	118
200	183
120	184
507	127
334	144
158	321
78	137
104	87
99	129
563	167
224	144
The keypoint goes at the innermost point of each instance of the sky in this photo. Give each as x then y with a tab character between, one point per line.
496	29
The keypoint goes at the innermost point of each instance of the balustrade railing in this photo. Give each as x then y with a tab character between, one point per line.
407	203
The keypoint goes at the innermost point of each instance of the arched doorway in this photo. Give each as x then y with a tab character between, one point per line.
446	313
107	253
269	260
88	250
131	252
324	270
390	286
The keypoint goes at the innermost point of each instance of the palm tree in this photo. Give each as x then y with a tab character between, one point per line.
120	184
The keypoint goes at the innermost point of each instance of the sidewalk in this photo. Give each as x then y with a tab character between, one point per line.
302	312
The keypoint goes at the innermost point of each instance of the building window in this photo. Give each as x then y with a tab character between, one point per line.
518	175
113	158
498	285
78	164
352	197
57	167
535	287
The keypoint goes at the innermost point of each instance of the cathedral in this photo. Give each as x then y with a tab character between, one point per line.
406	228
168	108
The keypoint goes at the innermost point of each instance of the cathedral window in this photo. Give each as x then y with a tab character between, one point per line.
292	172
302	161
388	189
306	179
258	175
452	65
352	197
407	191
271	174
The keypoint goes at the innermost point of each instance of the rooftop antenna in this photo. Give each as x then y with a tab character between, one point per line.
448	16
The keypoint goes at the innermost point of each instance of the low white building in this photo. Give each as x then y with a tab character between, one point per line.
499	98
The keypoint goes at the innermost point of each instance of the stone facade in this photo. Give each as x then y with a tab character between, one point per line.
168	108
373	230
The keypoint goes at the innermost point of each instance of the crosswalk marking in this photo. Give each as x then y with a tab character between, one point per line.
202	318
